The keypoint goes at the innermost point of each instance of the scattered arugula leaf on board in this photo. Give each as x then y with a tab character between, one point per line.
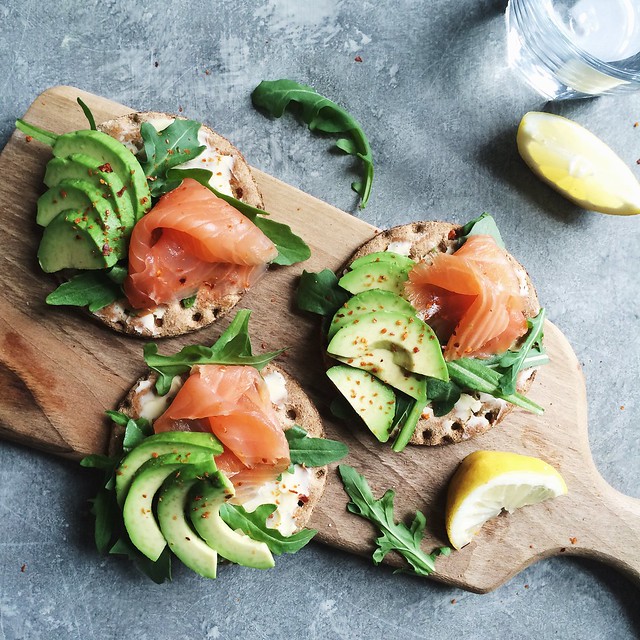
254	524
174	145
442	395
320	293
320	114
233	347
395	536
158	571
92	289
313	452
291	248
482	225
88	114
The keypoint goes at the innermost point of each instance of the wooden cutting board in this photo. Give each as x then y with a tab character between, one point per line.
60	370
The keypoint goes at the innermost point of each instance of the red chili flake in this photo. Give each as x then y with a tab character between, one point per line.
205	515
23	568
63	194
358	59
106	168
144	200
29	138
179	109
415	349
119	193
638	161
106	249
526	586
563	549
636	124
573	540
621	407
452	234
453	601
207	72
154	455
303	499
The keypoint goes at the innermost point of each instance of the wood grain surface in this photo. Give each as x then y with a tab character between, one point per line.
59	371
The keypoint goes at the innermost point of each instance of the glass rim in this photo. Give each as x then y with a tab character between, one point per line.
541	9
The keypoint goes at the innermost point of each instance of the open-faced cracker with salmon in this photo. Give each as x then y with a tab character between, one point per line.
436	330
227	438
154	223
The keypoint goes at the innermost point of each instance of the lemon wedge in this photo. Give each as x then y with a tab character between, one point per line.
578	164
486	482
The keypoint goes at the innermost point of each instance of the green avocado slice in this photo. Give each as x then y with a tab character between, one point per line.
75	240
106	149
386	275
183	443
380	363
137	512
372	400
383	256
412	342
207	497
368	302
182	540
79	166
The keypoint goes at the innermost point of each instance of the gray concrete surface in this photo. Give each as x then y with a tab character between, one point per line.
441	109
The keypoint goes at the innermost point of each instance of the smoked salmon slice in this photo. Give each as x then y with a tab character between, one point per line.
189	238
471	298
233	402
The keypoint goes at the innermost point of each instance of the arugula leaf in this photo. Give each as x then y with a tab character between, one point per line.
340	408
512	362
320	114
165	149
158	571
41	135
92	289
97	461
395	537
117	273
474	375
411	421
291	248
187	303
482	225
442	395
105	509
320	293
233	347
254	524
135	432
88	114
313	452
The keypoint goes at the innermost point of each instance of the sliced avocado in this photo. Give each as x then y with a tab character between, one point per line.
137	511
50	205
375	275
183	443
106	149
379	362
373	401
207	496
75	240
367	302
412	342
182	540
383	256
79	166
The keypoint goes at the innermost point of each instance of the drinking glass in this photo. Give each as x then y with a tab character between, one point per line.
575	49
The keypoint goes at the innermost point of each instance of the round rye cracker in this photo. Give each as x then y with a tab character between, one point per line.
478	412
296	409
174	319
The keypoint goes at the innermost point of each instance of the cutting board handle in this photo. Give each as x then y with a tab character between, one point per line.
607	529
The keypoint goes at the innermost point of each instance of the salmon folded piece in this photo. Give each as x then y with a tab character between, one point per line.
190	238
471	298
232	402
